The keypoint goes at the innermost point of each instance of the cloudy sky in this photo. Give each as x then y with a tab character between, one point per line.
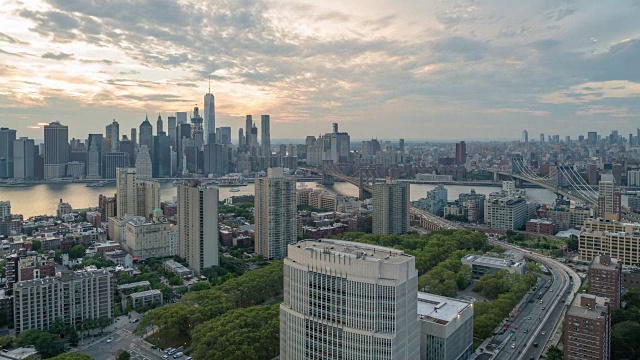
418	69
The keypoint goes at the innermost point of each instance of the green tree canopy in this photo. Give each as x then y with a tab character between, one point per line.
71	356
77	251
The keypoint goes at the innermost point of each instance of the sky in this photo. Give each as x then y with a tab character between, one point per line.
414	69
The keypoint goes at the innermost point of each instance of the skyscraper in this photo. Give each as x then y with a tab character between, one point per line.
56	150
159	125
336	146
525	136
461	153
265	135
391	207
146	133
94	156
241	140
223	135
542	138
23	161
171	129
248	123
198	225
609	199
162	155
144	167
276	220
592	137
209	115
134	137
135	197
182	117
113	161
7	137
112	133
349	301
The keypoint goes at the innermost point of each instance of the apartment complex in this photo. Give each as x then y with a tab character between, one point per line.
391	208
276	214
605	279
148	239
135	197
587	328
446	328
618	240
198	225
505	213
70	296
609	199
348	301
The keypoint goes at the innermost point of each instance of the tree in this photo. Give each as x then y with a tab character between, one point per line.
632	298
202	285
439	281
6	341
73	338
123	355
71	356
77	251
240	334
36	245
47	344
554	353
625	340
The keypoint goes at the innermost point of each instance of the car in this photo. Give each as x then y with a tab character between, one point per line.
173	351
550	290
529	318
167	350
513	346
513	338
543	308
135	320
526	331
189	358
535	345
109	340
541	301
544	333
154	347
178	355
165	356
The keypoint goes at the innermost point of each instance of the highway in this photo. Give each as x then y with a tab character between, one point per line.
534	317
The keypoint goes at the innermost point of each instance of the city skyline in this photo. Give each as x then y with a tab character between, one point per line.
447	70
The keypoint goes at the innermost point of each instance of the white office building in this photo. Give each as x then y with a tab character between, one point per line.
344	300
446	328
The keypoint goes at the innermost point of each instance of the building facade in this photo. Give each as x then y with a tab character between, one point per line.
391	208
276	214
348	301
616	239
605	279
198	225
56	150
73	297
587	328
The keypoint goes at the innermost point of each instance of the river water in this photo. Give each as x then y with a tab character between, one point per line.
43	198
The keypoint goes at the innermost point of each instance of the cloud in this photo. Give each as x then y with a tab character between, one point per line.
11	40
57	56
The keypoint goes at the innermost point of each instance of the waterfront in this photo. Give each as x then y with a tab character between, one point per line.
43	198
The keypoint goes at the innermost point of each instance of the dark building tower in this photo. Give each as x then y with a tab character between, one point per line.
56	150
95	154
587	328
146	133
171	129
159	125
461	153
241	141
7	137
265	125
162	155
134	137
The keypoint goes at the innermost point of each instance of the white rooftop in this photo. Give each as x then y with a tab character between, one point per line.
354	250
439	308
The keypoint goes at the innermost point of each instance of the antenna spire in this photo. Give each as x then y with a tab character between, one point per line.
209	84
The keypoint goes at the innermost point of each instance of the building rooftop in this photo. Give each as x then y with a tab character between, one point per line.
541	221
439	309
133	285
354	250
600	263
146	293
490	261
597	312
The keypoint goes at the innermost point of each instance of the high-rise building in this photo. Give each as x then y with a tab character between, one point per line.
161	156
209	116
461	153
23	158
7	137
94	156
146	134
633	178
391	206
172	124
336	146
107	207
349	301
592	137
248	124
436	200
609	199
129	147
134	137
144	166
73	297
112	133
605	279
592	174
182	117
587	328
113	161
446	328
525	136
56	150
241	139
217	159
5	209
135	197
265	135
159	125
223	135
276	220
542	138
198	225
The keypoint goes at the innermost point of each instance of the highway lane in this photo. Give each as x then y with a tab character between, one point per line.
565	280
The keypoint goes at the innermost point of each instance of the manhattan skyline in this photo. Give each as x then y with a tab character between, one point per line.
422	70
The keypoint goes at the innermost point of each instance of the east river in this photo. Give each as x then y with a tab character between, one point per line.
43	198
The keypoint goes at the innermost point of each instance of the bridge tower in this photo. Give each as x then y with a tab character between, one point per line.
327	179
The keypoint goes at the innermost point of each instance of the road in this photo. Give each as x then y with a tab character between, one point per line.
564	284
